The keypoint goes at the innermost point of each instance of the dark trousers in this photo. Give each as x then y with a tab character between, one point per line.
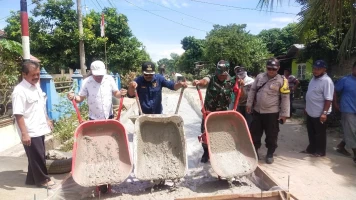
37	172
248	117
269	124
317	136
291	98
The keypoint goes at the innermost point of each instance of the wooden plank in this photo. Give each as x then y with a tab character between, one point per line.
270	195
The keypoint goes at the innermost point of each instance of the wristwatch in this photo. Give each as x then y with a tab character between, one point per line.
325	112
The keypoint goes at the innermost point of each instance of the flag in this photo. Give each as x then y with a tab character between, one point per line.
102	26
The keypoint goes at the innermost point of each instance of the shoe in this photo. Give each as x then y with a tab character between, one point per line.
343	151
269	158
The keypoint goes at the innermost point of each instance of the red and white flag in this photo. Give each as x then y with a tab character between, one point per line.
102	26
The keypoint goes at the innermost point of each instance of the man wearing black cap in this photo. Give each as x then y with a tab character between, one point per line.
149	89
217	98
268	101
318	105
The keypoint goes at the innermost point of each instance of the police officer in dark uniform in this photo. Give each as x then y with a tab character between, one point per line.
149	89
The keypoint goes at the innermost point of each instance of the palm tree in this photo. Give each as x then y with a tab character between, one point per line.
335	10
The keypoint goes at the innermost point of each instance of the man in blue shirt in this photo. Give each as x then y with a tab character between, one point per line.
149	89
347	87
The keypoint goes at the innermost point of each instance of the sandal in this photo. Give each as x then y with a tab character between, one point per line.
306	152
49	184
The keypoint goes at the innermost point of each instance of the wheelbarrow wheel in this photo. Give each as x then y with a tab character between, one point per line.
103	189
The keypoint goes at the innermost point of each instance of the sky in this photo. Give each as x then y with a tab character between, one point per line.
161	24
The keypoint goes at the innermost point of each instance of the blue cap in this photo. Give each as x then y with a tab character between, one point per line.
320	64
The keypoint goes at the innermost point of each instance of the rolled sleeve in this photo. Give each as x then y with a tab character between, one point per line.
329	90
18	104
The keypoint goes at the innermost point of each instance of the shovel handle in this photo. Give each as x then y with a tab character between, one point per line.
201	101
120	108
180	99
138	103
77	111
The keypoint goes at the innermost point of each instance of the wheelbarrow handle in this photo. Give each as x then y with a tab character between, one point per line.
180	99
138	103
120	108
77	111
201	102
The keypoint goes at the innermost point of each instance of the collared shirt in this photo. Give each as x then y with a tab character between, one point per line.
29	101
99	96
150	93
347	87
319	90
268	98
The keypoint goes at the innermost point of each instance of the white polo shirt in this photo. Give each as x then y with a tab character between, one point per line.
99	96
29	101
319	90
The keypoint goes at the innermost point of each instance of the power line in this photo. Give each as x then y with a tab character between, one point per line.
181	12
242	8
165	17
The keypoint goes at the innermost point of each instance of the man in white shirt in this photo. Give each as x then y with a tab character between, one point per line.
32	123
318	105
99	89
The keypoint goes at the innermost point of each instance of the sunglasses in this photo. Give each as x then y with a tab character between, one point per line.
271	69
147	74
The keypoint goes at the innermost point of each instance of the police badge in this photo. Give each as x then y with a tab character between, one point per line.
154	84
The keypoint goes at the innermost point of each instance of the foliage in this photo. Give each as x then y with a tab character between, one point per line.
235	44
10	59
55	37
127	78
279	41
194	51
63	84
65	127
188	77
336	18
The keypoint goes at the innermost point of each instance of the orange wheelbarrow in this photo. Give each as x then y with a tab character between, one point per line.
230	145
101	154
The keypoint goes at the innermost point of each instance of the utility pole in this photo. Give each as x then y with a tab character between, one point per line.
24	30
81	42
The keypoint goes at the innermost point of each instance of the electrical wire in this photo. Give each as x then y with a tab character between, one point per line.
166	18
182	13
242	8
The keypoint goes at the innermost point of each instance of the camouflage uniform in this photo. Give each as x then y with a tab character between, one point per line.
217	98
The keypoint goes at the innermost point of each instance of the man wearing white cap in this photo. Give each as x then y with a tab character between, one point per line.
99	89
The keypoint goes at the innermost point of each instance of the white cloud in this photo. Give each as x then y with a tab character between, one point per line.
282	19
158	51
185	4
165	3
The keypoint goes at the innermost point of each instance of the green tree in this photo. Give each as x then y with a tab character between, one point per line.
235	44
194	51
278	41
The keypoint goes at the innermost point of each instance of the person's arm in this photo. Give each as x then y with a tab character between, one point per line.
202	82
251	95
18	109
328	94
82	93
131	89
296	84
115	90
180	84
335	103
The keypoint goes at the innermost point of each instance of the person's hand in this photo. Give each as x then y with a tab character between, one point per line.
283	119
50	124
196	82
123	92
70	95
183	84
133	84
248	109
26	139
323	118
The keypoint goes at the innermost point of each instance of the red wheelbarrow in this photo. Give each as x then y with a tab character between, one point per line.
101	154
230	145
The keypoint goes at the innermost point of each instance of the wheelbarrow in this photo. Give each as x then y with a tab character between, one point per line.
230	145
160	146
101	153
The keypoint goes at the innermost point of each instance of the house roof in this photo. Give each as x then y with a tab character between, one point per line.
293	50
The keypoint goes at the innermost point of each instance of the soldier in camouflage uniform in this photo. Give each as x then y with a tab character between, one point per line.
217	98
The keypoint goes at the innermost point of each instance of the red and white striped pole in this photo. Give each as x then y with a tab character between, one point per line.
25	31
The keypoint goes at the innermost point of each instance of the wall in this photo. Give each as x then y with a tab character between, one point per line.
308	63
